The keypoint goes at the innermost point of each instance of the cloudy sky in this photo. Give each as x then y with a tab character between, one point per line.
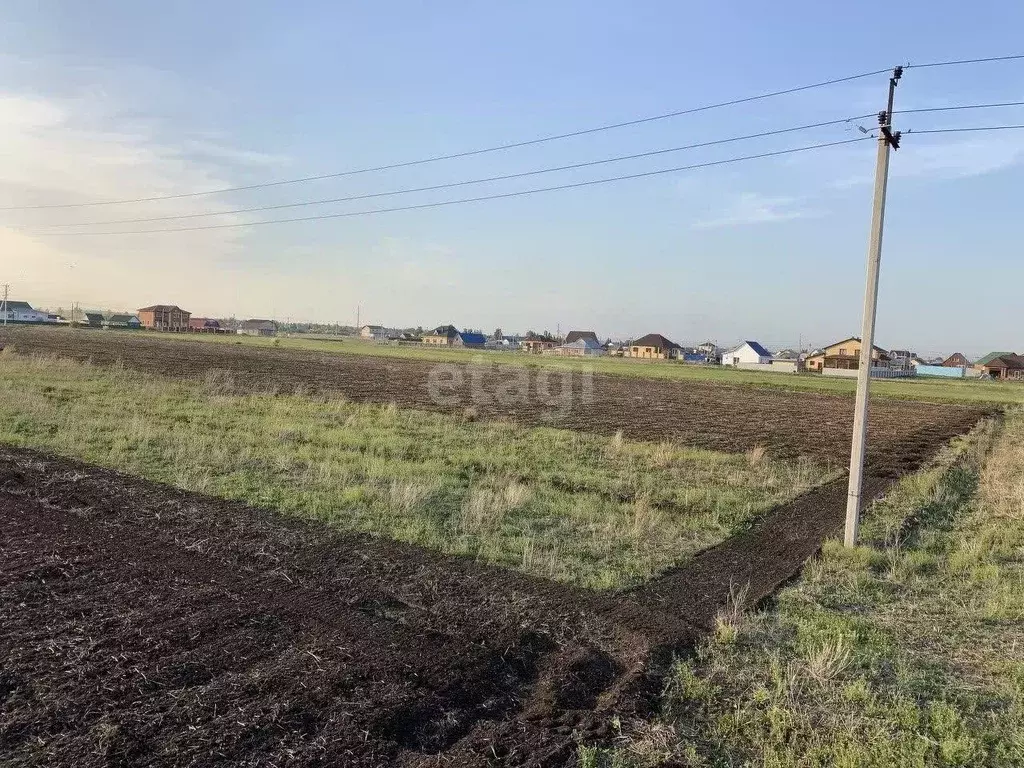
114	100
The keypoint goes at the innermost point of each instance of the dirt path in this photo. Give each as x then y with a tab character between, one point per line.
706	415
141	625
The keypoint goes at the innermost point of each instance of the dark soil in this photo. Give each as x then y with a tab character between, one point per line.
142	625
145	626
706	415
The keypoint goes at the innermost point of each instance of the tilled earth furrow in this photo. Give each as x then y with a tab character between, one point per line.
709	415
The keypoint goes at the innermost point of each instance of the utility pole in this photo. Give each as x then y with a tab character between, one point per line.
886	140
7	287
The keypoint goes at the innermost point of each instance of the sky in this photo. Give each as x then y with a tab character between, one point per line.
123	100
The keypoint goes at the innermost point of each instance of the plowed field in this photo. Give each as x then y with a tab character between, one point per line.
143	625
140	625
715	416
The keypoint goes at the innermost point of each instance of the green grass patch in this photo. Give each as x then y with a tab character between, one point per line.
595	511
925	389
905	651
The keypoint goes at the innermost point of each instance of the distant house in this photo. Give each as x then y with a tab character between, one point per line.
204	325
1003	366
442	336
378	332
574	336
22	312
980	363
164	317
258	328
469	340
708	348
504	343
747	353
582	346
94	319
654	346
538	344
902	359
845	355
956	360
123	321
695	357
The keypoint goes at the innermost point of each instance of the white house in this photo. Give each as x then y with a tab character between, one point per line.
709	349
21	312
902	359
378	332
747	353
505	342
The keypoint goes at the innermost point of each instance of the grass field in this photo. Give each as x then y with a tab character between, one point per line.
596	511
928	389
905	651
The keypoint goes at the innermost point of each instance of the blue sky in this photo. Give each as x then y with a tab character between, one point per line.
109	100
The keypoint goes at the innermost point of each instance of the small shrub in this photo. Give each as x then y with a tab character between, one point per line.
756	455
219	382
828	659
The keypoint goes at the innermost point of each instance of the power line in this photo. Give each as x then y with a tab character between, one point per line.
485	180
523	174
514	145
473	152
955	62
967	130
500	196
959	107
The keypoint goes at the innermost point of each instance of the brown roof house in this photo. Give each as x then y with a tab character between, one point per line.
442	336
654	346
956	360
164	317
845	356
1004	366
574	336
538	343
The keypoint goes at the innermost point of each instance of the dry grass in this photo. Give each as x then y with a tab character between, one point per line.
904	652
756	455
591	510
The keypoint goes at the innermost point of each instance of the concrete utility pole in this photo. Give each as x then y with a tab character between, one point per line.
7	287
886	140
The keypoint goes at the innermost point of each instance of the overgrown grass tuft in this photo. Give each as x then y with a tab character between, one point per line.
595	511
905	651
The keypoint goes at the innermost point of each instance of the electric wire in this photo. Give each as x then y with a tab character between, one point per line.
484	180
522	174
469	153
459	201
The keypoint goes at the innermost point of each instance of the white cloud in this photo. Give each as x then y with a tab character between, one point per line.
753	208
959	158
920	157
75	150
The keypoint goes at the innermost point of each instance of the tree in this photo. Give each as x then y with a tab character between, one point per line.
498	335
